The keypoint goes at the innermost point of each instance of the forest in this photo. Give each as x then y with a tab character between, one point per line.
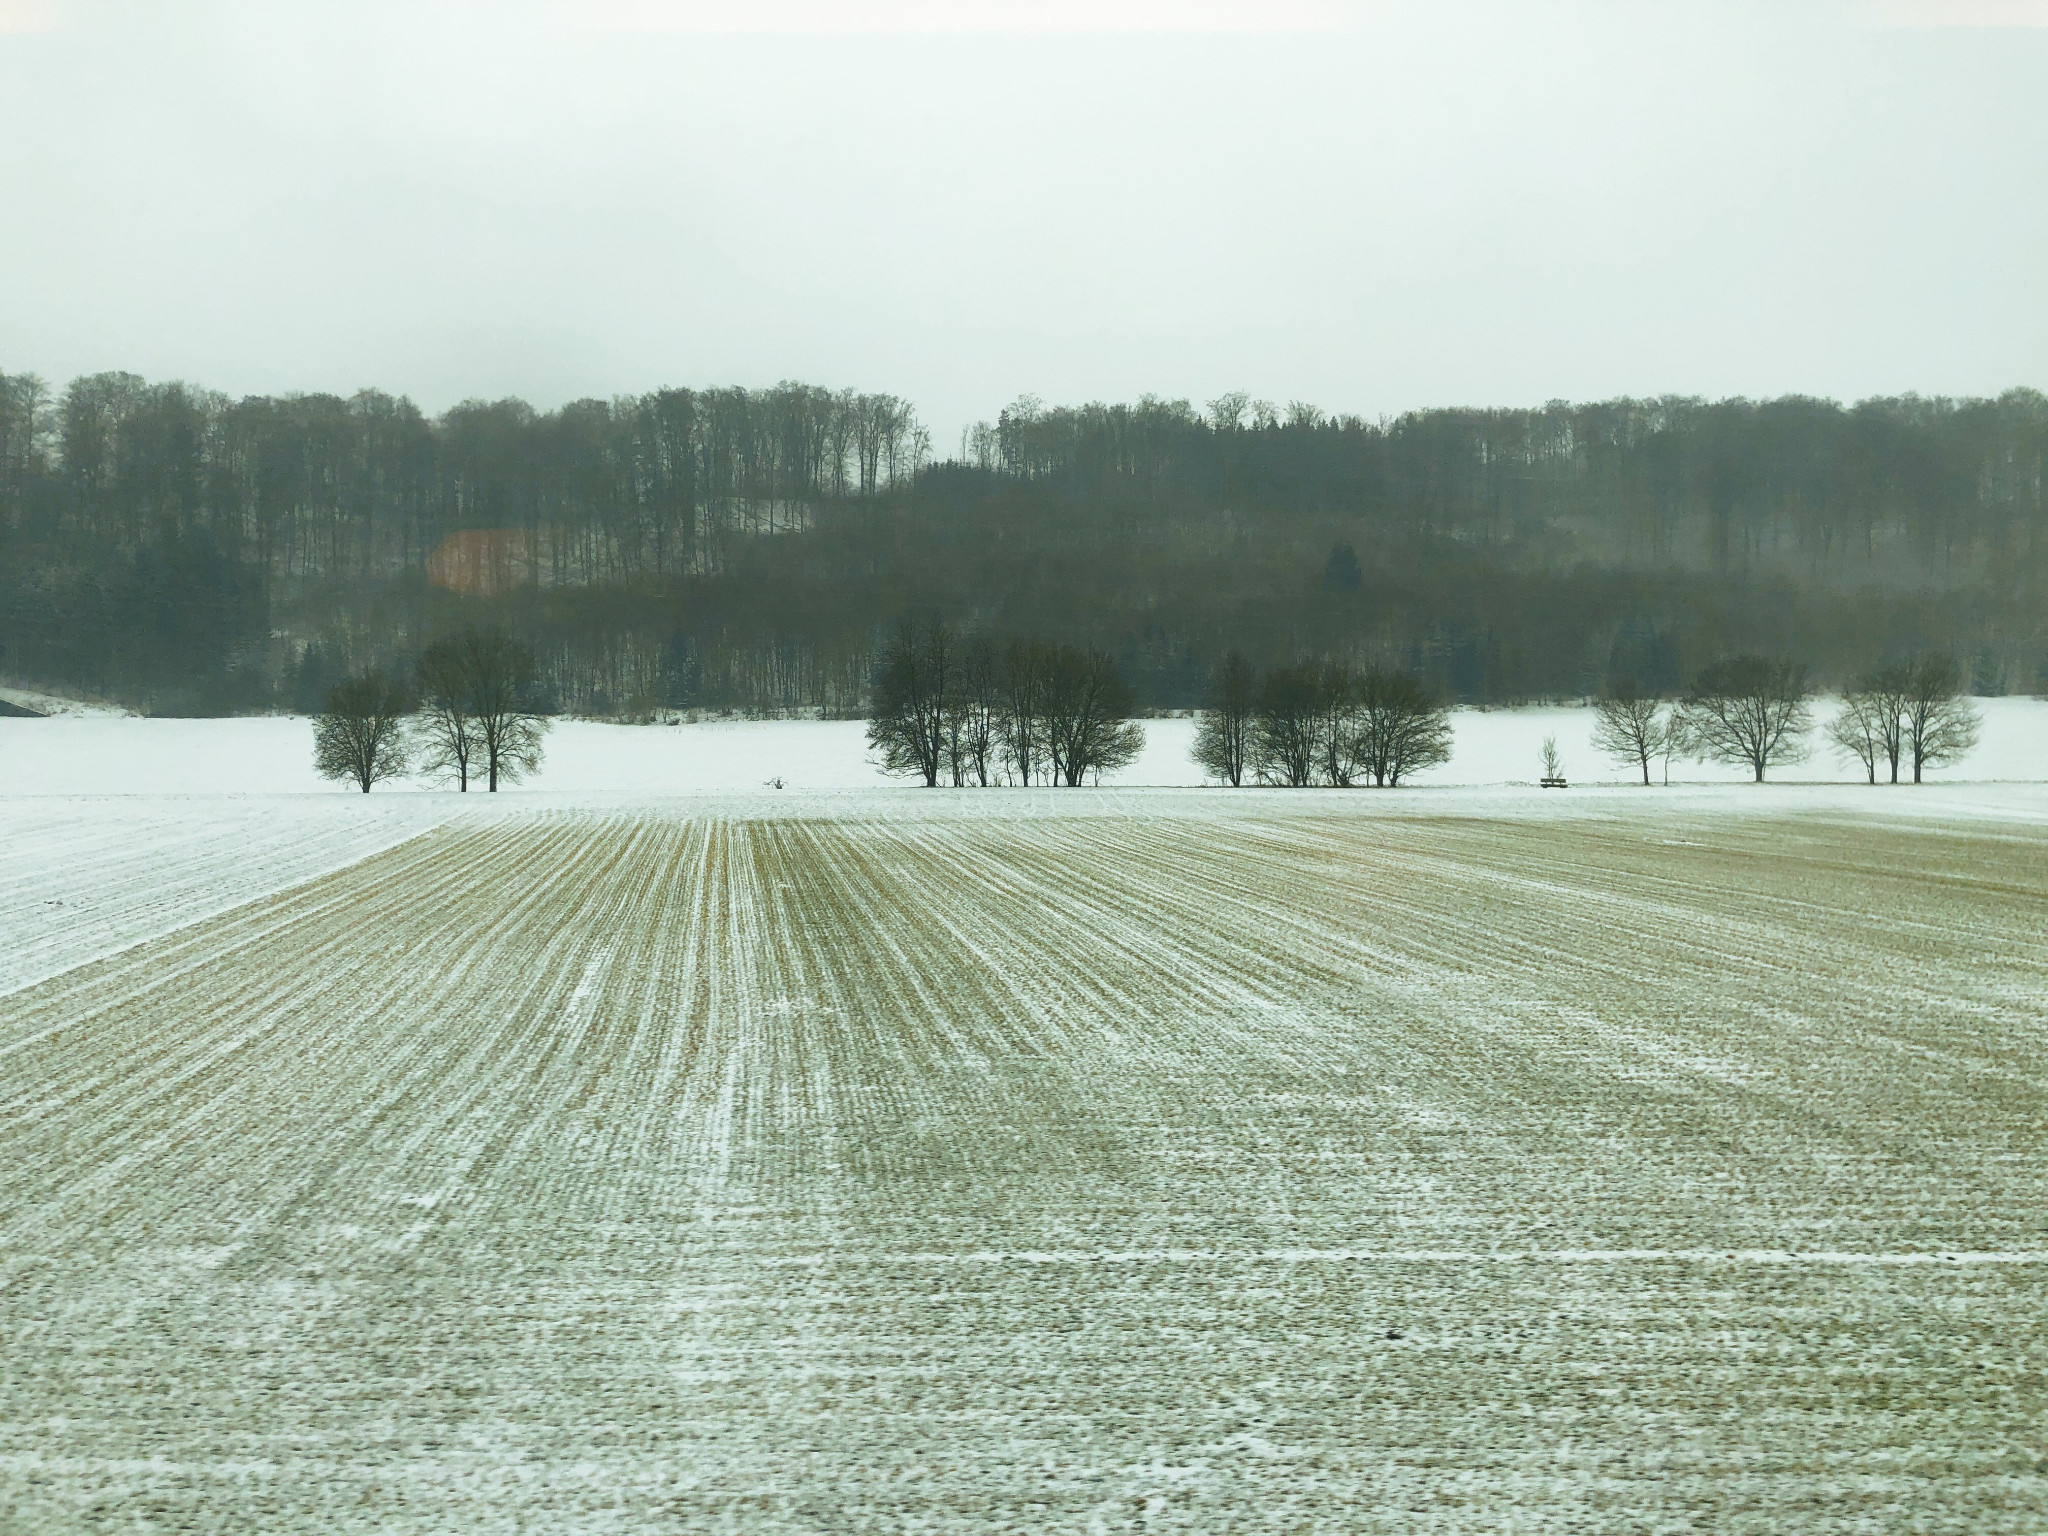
751	550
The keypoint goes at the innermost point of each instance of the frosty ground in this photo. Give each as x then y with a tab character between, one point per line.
855	1159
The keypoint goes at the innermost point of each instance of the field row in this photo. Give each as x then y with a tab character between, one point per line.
1307	1170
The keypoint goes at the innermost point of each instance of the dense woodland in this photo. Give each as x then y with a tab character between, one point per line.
753	549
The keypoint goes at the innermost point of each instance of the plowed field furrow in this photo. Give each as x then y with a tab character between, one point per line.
1298	1170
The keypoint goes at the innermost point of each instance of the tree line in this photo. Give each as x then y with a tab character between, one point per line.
318	486
972	710
469	709
1905	489
1756	711
1320	723
748	550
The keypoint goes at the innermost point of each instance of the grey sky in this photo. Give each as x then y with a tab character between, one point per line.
1374	207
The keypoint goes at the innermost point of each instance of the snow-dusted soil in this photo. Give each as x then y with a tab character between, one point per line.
83	877
102	753
1179	1161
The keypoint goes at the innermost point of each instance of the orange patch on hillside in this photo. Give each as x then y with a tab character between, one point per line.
481	561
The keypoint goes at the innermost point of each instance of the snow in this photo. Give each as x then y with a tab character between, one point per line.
1139	1118
273	754
1055	1161
101	753
60	704
1506	745
81	878
116	829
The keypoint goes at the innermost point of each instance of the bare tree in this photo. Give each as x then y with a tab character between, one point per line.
1226	414
504	710
972	711
1286	736
1857	734
1403	729
1339	724
1223	739
1087	708
912	683
1941	725
360	734
1628	726
1678	741
1553	765
449	733
1020	722
953	731
1886	690
1750	710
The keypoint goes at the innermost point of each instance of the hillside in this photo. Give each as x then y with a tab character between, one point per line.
743	549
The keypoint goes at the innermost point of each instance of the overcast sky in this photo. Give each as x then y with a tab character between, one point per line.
1374	207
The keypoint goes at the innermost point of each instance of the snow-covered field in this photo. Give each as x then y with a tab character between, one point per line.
1049	1161
81	877
102	753
115	829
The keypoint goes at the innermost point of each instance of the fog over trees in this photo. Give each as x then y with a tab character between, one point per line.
753	549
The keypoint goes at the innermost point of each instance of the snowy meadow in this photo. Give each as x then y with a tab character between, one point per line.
649	1146
101	752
